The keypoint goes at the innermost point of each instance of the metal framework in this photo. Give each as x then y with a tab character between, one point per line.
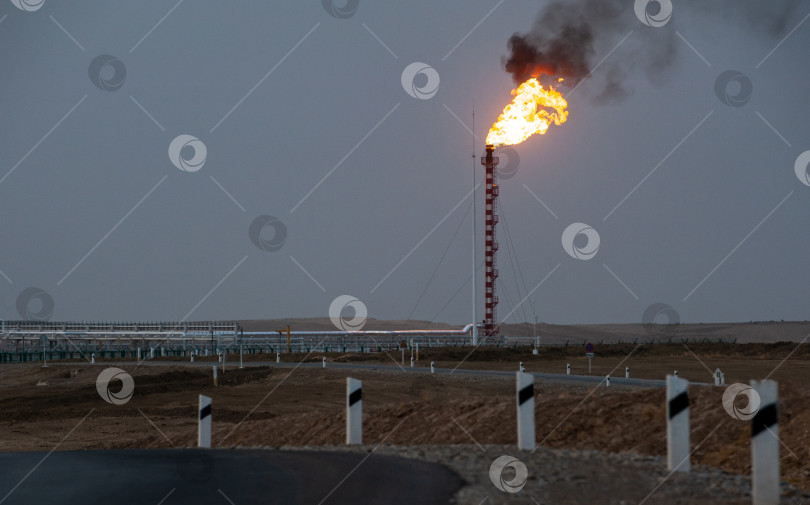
490	243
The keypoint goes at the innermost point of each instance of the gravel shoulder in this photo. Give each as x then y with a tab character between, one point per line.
571	477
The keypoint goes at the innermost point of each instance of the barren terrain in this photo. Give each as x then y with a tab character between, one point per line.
59	407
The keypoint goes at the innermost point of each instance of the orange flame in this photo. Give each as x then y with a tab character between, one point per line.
528	114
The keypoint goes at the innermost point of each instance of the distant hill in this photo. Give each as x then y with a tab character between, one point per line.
770	331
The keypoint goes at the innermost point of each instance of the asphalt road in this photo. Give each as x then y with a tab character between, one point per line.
236	477
548	377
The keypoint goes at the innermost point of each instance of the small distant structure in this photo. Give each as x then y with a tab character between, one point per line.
719	378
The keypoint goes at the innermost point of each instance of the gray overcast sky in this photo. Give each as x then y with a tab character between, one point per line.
334	105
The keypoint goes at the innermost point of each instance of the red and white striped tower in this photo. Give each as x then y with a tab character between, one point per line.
490	243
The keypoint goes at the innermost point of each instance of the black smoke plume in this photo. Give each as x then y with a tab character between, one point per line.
570	37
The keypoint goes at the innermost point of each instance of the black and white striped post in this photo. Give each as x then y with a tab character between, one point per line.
525	411
204	422
765	445
278	357
324	362
677	424
607	381
354	411
411	361
568	369
432	367
520	367
627	372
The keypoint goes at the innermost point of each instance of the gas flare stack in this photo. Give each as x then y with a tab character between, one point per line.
490	242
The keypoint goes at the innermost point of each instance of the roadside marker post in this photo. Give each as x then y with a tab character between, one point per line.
204	423
215	376
677	424
525	411
607	380
278	357
568	369
324	362
627	372
589	354
432	368
675	373
192	356
765	445
411	361
93	358
354	411
520	367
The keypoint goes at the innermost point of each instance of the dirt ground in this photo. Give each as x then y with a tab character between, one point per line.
59	407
